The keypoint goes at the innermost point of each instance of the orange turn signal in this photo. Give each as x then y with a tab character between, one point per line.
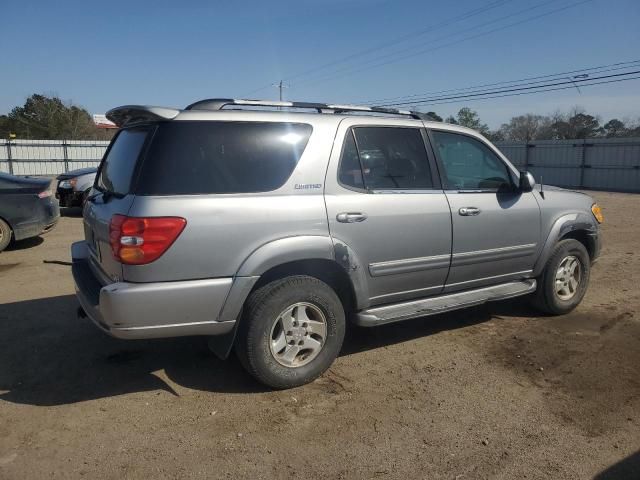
597	212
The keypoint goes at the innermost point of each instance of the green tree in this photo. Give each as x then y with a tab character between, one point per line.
435	116
614	128
43	117
470	119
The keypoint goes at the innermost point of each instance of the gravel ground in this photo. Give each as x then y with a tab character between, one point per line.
490	392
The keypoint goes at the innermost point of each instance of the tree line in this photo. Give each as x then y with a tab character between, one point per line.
51	118
46	118
575	124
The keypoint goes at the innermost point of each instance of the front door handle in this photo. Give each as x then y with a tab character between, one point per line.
469	211
351	217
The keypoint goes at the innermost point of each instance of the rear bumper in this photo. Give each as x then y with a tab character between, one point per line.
45	222
150	310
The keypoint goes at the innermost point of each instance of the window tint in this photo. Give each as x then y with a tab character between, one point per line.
117	170
469	164
350	172
221	157
390	157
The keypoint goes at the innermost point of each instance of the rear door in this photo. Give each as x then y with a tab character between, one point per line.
112	195
385	204
496	227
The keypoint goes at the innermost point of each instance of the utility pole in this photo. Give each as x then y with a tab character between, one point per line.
280	86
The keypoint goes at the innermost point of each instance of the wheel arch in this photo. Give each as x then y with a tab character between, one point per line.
314	256
579	226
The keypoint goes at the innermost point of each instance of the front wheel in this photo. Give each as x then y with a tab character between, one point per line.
291	331
564	281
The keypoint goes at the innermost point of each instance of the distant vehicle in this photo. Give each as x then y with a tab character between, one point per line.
27	208
269	230
73	187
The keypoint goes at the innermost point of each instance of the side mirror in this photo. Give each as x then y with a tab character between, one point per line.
527	182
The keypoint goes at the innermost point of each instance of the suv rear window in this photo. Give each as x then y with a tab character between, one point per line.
117	169
221	157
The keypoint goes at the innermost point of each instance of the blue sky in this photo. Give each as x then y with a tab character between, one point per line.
104	54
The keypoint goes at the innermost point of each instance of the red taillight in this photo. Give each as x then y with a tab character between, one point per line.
44	194
140	240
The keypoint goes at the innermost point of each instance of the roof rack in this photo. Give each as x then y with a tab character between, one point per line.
220	103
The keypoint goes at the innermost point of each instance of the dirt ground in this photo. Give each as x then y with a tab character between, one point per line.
490	392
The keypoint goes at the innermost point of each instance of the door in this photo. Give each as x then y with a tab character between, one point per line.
496	227
112	195
387	207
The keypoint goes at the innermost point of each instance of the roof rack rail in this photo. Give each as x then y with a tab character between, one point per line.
220	103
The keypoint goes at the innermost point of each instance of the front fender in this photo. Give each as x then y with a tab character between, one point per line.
563	225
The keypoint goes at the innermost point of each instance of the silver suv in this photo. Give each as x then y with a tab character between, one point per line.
271	230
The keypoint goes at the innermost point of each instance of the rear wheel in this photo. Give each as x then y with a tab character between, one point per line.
291	331
5	234
564	281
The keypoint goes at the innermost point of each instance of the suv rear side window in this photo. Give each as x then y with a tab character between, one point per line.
221	157
116	171
469	164
387	158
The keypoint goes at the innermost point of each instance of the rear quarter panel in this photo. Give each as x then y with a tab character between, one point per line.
224	230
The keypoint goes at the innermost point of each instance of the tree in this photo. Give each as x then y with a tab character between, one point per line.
470	119
43	117
525	128
435	116
575	124
614	128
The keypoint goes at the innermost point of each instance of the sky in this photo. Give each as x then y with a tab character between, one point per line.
103	54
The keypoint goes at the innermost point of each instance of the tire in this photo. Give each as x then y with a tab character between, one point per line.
559	298
263	343
5	235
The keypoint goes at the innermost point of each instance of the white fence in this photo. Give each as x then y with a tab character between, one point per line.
49	157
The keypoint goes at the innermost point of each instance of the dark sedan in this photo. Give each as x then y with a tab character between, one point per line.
27	208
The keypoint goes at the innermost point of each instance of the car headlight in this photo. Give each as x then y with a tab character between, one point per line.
65	184
597	212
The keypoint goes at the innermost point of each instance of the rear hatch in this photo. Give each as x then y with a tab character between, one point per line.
112	195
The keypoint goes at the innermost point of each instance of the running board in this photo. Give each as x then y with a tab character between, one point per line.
431	306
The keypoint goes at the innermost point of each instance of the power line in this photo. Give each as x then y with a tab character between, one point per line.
541	89
280	86
598	69
401	39
471	37
489	92
396	41
538	91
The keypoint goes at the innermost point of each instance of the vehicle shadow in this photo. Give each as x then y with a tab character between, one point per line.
626	468
50	357
24	244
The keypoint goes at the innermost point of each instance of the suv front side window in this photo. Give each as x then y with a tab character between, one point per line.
469	164
385	158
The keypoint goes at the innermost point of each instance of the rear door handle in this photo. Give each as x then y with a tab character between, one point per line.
350	217
469	211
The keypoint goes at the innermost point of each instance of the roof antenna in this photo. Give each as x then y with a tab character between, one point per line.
541	185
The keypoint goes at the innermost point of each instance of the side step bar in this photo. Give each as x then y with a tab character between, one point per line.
431	306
